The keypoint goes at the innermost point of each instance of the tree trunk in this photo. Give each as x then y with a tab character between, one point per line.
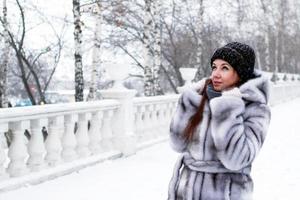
267	29
148	59
157	47
267	49
276	54
3	69
96	63
79	85
258	59
283	8
240	14
199	29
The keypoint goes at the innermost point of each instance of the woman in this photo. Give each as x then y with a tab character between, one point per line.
219	127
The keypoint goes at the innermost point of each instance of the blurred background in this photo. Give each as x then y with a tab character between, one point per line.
61	51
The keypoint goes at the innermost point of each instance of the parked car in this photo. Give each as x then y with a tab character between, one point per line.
23	102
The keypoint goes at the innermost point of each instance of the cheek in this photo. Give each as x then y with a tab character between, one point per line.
232	81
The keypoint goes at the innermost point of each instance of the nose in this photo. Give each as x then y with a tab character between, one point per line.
216	74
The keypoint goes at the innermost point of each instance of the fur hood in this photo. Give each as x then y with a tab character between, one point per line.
256	89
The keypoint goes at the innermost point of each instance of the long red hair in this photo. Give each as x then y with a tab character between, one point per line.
197	117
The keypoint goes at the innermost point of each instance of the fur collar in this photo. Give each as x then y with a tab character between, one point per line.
256	89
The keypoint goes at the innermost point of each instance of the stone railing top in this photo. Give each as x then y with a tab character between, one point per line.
290	77
40	111
155	99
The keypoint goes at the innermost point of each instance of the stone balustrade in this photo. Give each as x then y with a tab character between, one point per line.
152	117
57	134
282	92
62	138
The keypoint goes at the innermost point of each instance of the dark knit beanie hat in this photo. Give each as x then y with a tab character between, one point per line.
240	56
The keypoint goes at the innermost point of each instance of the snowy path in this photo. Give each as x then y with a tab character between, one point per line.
145	176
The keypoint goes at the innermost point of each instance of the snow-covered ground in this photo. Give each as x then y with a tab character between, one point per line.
145	176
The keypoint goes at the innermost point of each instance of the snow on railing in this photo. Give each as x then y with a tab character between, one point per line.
57	134
284	91
152	117
284	86
62	138
73	135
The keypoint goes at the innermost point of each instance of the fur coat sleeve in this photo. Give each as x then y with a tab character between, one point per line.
186	107
238	130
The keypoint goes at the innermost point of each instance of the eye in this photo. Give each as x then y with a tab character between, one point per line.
225	68
213	67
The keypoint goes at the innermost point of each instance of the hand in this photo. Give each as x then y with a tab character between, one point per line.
232	92
198	86
191	99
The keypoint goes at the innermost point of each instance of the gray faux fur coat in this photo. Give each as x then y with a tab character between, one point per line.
216	164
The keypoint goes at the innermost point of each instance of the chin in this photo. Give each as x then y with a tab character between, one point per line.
218	89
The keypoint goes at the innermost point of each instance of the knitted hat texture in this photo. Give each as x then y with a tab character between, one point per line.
240	56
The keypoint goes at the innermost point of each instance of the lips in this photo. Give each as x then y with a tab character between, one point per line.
216	83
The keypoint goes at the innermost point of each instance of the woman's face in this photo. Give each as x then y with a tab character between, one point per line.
223	75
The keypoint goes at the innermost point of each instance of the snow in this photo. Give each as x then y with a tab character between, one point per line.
145	176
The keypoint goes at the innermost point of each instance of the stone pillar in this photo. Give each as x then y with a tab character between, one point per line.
69	142
36	148
53	142
94	132
106	131
82	136
3	174
123	123
17	151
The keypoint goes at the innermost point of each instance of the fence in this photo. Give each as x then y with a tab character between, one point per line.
117	126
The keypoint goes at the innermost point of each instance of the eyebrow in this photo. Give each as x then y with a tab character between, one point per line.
222	64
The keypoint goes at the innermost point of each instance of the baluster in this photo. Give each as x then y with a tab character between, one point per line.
17	151
36	148
3	174
69	139
106	131
157	121
139	123
135	124
143	124
94	132
162	127
153	122
150	130
173	109
161	120
165	118
146	122
82	136
53	142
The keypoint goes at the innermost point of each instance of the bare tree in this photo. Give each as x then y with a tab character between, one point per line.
4	64
79	83
198	33
156	7
148	61
267	31
182	30
96	10
30	63
283	9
